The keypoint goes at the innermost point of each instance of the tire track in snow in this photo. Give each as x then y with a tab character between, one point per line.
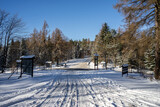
100	92
61	93
143	99
111	90
77	94
81	90
69	100
34	98
96	96
46	93
127	98
43	92
28	93
107	85
66	93
17	99
84	98
73	95
104	88
70	92
96	93
91	93
55	96
22	91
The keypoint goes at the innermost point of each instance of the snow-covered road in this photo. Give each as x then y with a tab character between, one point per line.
70	88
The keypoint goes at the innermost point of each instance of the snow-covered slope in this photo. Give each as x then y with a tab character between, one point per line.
70	88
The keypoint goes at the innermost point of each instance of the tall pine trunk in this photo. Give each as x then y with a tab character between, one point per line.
115	60
105	58
157	52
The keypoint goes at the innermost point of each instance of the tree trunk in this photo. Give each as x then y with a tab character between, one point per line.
105	61
115	60
157	52
57	60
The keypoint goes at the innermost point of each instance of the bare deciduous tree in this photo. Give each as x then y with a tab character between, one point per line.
10	27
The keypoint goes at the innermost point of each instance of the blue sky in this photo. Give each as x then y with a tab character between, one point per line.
77	19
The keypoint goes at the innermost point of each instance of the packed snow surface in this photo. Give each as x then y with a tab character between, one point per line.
77	88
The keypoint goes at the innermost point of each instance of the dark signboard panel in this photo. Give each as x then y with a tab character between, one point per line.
27	64
124	69
96	60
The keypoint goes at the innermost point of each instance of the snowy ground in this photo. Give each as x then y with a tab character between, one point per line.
75	88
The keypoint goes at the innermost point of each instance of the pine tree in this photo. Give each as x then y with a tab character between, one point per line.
85	46
150	59
103	42
77	49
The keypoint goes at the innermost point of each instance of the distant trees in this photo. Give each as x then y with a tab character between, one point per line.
49	47
139	13
86	47
71	49
55	47
38	44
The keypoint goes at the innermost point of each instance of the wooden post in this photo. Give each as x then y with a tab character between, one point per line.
97	62
32	67
21	71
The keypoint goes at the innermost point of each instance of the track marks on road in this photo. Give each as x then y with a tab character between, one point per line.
76	89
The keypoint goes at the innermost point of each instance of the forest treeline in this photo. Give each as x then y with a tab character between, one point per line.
143	14
111	45
119	47
136	43
53	47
